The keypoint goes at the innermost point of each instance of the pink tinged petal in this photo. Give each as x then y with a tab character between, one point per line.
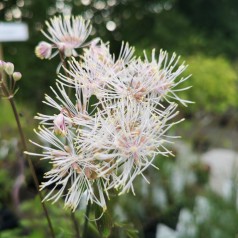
43	50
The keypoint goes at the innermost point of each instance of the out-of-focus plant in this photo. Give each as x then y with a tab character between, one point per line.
204	220
8	88
214	84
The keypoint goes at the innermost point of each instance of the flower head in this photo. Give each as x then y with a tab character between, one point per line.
126	140
98	69
94	148
66	33
167	73
72	175
144	80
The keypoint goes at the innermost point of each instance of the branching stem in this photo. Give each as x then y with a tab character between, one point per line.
24	148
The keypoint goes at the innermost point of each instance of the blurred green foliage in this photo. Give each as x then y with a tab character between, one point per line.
214	84
189	28
215	22
215	224
8	115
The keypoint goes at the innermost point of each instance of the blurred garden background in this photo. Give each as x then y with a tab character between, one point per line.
195	193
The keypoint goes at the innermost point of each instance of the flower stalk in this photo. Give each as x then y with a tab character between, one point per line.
10	96
85	226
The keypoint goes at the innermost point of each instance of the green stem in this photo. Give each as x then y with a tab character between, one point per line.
24	147
85	228
75	223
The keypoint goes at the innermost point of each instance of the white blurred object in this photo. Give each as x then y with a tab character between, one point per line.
159	197
178	180
164	231
202	209
224	169
11	31
182	174
186	226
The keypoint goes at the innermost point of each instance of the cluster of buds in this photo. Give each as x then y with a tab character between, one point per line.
106	147
8	68
8	79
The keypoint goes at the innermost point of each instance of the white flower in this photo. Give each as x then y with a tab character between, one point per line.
108	144
166	72
126	140
66	33
71	110
97	69
72	175
147	81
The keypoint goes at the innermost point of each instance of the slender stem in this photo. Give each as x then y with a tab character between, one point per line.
19	181
85	228
24	147
75	223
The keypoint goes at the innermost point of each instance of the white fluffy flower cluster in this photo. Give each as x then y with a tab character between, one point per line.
96	147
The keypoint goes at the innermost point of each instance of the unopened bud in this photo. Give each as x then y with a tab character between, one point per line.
59	125
16	76
9	68
43	50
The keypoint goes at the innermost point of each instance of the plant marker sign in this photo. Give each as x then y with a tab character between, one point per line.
10	31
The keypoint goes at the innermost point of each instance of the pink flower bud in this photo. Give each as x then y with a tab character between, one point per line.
16	76
43	50
9	68
59	125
